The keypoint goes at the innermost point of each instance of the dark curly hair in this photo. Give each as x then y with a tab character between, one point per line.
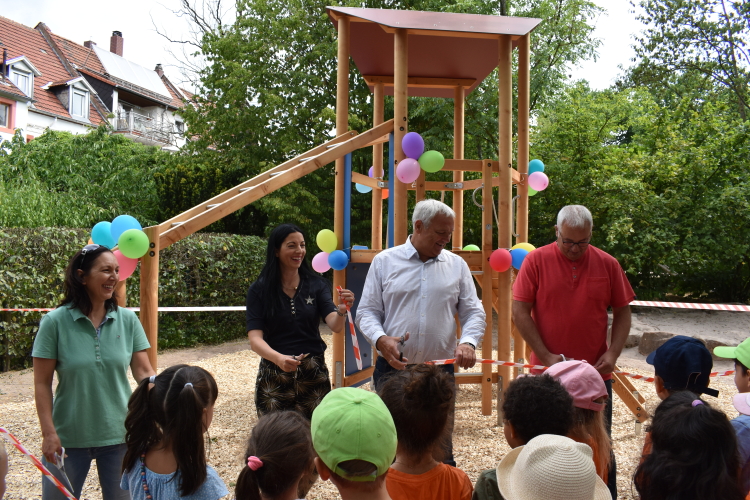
538	405
693	456
420	400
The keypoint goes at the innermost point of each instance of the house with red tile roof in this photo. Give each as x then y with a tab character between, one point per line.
47	81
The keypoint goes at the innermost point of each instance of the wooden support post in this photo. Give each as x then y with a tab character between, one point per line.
522	209
421	181
505	196
636	407
121	292
149	314
376	239
400	128
342	125
458	154
487	294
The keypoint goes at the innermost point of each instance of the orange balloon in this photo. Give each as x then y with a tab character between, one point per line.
384	194
91	242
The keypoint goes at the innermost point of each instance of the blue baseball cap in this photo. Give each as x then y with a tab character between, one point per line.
684	363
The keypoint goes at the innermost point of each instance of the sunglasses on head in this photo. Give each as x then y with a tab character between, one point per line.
87	249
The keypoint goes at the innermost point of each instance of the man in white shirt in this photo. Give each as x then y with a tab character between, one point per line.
414	290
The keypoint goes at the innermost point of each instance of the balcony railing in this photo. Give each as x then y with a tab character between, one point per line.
154	130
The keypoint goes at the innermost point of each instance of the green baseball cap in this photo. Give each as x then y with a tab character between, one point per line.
740	353
354	424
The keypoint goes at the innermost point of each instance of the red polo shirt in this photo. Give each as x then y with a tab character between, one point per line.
571	299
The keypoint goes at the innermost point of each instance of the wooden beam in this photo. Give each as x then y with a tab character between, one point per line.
149	314
463	165
376	234
458	154
505	195
475	378
342	126
423	82
258	179
256	192
629	386
636	407
487	295
366	181
359	376
452	34
401	127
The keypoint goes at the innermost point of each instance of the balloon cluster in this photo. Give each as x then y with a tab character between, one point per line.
538	180
329	257
503	258
417	158
125	237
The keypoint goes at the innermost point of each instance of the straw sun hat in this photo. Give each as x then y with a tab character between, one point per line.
553	468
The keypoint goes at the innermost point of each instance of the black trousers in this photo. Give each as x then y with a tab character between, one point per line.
612	479
380	375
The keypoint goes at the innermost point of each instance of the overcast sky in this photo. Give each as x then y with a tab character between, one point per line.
96	19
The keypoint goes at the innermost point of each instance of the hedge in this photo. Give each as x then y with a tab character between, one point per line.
202	270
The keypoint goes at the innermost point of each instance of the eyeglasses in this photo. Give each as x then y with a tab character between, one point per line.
567	244
85	250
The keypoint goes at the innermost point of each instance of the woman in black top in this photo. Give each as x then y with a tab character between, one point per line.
284	308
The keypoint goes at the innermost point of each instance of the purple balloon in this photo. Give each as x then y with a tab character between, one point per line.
408	170
371	172
413	145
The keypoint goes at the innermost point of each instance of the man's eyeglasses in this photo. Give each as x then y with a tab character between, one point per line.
85	250
567	244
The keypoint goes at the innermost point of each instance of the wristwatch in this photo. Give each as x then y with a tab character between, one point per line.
470	345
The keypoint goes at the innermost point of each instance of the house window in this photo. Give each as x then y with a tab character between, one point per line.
22	80
4	115
79	104
179	127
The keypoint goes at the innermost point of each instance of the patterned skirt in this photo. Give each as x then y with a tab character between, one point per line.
301	390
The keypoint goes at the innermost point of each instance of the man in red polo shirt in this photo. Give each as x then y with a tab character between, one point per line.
561	297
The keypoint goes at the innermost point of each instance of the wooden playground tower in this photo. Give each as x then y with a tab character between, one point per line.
404	54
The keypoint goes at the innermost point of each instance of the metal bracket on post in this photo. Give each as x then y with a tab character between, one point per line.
638	428
383	184
513	214
519	370
500	396
339	377
454	185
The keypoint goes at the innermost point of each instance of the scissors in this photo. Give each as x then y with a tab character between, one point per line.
402	341
299	357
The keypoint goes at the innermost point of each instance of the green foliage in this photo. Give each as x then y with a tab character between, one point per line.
61	179
201	270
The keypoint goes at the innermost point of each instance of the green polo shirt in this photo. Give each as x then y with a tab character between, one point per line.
91	400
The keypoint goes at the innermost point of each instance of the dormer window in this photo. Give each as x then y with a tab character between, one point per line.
22	74
79	103
75	95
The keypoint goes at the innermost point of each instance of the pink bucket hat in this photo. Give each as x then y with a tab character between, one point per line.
741	402
582	381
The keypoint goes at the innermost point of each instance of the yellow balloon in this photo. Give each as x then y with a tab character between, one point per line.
327	240
526	246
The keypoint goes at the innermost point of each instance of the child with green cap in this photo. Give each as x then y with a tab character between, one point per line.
355	438
741	424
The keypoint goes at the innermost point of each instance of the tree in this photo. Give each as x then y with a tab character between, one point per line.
706	37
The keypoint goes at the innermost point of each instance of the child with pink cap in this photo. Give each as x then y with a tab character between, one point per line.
589	393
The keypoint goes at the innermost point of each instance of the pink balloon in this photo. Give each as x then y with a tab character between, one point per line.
408	170
320	262
127	265
538	181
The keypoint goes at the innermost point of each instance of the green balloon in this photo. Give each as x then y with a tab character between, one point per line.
133	243
431	161
327	241
532	192
471	248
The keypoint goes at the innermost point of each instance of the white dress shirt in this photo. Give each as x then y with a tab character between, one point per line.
403	294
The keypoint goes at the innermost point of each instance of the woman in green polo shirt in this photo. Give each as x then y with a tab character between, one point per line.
89	342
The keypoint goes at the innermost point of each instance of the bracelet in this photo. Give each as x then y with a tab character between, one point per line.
470	345
339	313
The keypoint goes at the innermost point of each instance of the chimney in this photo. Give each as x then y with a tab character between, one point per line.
159	70
115	43
89	44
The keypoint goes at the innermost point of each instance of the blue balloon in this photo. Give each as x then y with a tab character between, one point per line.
101	235
362	188
338	260
518	255
122	223
536	166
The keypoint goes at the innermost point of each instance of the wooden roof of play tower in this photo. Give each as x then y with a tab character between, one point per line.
460	49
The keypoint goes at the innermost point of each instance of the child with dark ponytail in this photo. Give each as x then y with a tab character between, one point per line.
278	458
167	417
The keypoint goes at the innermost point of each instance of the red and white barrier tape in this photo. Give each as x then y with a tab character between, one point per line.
38	463
636	376
637	303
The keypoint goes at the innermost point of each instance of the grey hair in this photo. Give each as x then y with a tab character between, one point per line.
427	209
574	216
